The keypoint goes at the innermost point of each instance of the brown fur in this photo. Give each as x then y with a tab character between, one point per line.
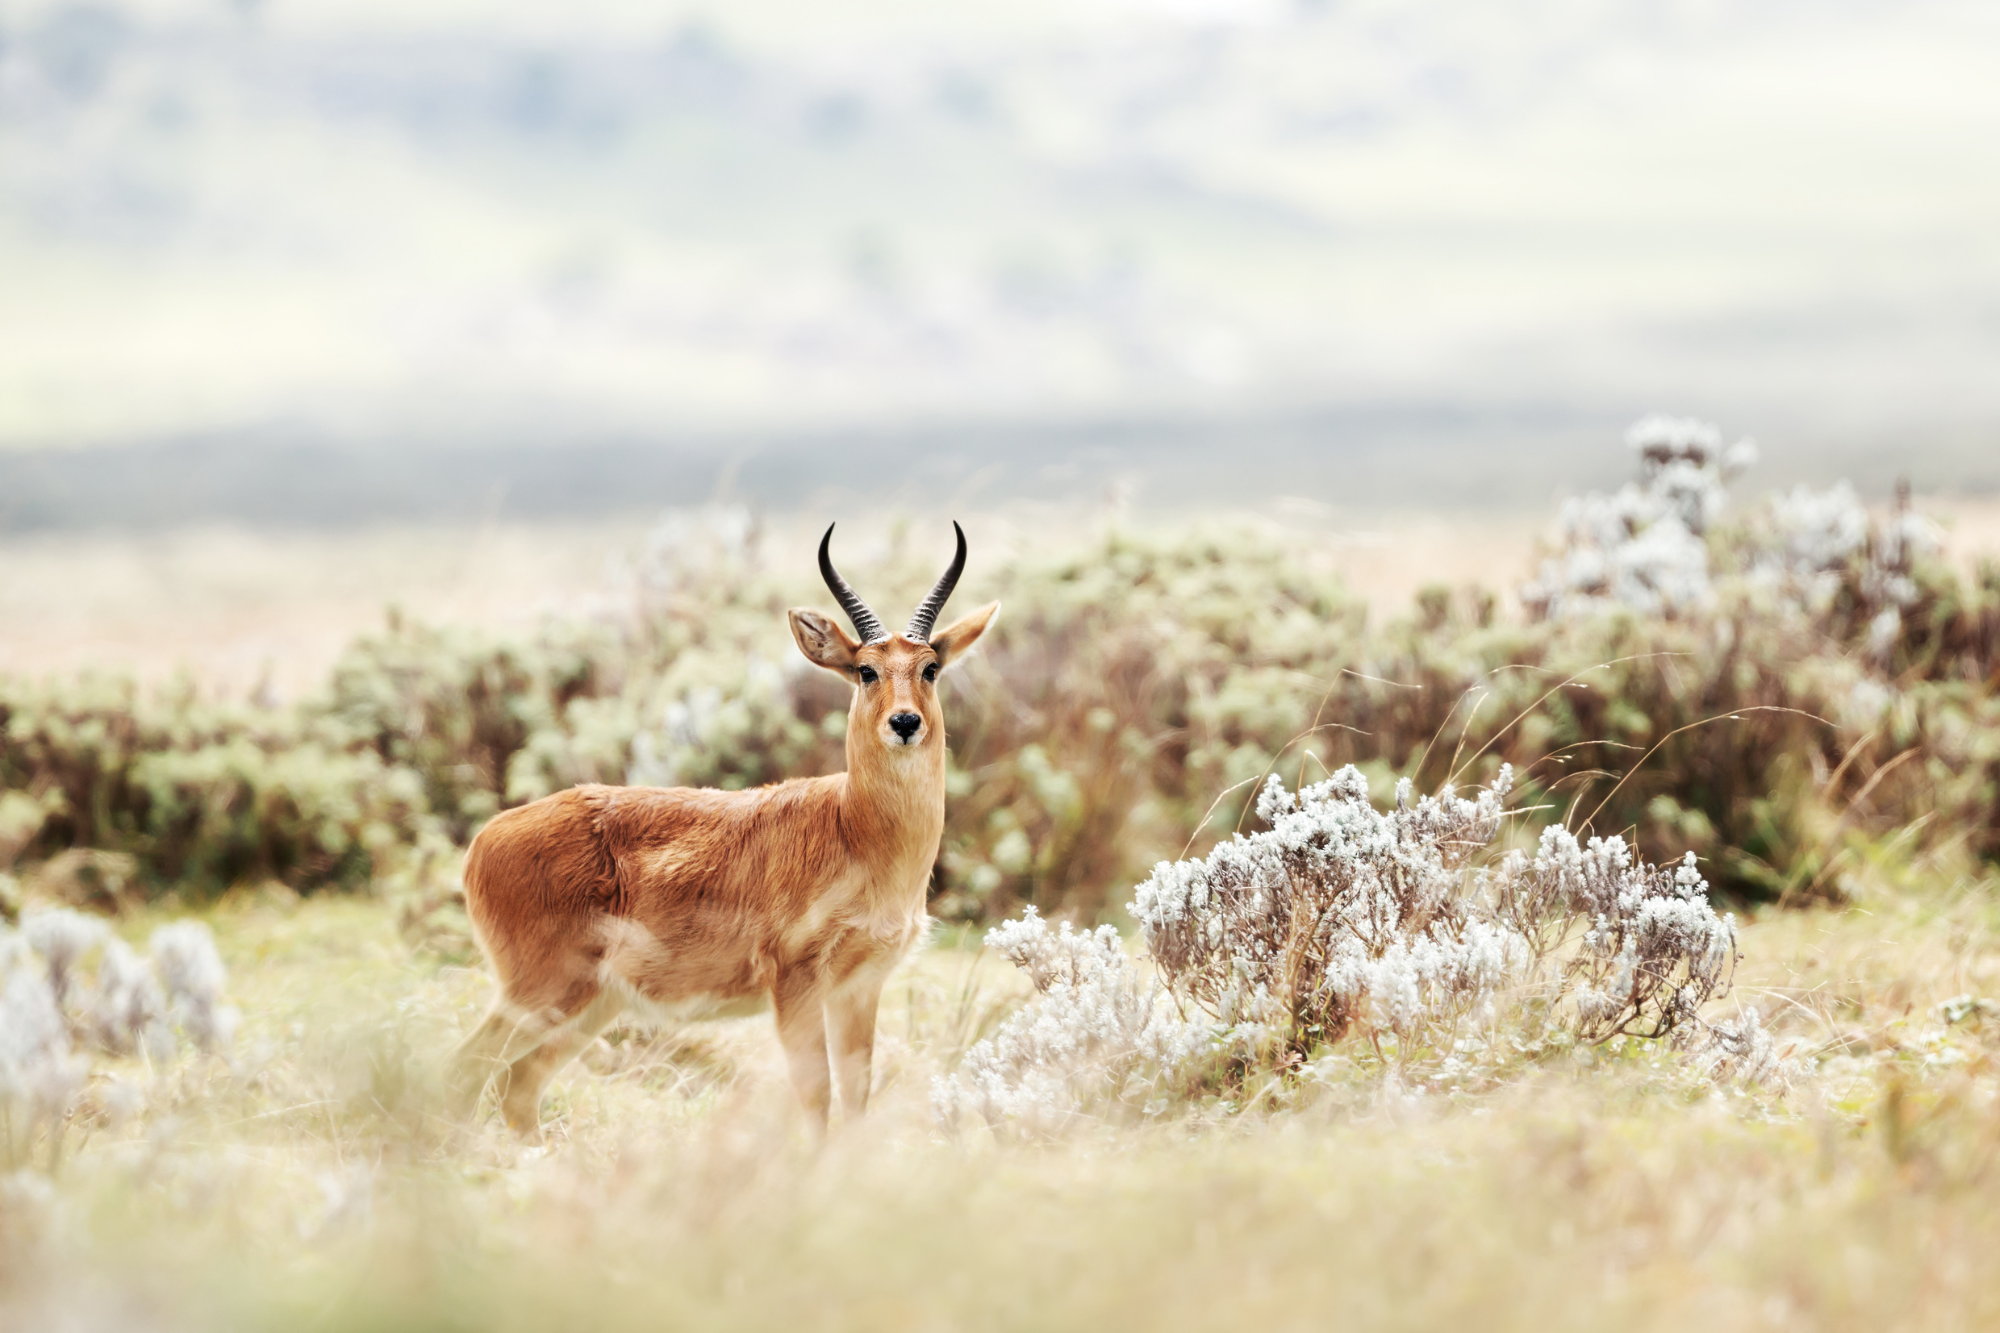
700	902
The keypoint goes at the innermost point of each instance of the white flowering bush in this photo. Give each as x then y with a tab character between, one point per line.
1651	952
1652	546
1827	555
1343	916
1813	536
1741	1050
1340	913
192	975
742	737
1344	921
69	989
689	552
1096	1026
1643	546
38	1072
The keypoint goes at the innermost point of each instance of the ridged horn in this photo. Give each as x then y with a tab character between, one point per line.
927	610
866	623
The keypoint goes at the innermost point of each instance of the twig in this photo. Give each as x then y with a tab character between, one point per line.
1635	657
1733	715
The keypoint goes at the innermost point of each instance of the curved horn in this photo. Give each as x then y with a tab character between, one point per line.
927	610
865	622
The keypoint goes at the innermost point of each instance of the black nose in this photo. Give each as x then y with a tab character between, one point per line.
905	724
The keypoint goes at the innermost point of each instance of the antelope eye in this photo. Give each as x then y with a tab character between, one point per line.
930	671
867	674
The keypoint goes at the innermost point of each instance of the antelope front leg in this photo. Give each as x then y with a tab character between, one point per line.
801	1014
850	1018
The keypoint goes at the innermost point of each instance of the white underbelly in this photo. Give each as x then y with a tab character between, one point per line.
687	1008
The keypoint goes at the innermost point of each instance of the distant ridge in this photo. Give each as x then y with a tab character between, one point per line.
1350	459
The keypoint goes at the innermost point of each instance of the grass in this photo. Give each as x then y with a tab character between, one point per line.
311	1181
311	1184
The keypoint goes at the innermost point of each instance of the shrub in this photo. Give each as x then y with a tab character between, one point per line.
1095	1028
199	794
1643	546
71	990
453	706
1127	679
1343	922
745	737
1830	687
306	815
1342	916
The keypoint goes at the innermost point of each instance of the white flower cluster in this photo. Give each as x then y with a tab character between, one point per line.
192	974
1343	916
1096	1024
1642	546
66	981
1742	1051
1684	462
1645	547
1652	950
1341	920
1815	534
1340	912
38	1074
1825	543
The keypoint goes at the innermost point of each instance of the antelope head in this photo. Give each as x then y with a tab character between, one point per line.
895	708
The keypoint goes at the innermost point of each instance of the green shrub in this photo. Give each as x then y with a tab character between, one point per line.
1131	698
454	705
202	794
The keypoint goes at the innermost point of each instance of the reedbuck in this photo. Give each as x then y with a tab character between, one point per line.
688	902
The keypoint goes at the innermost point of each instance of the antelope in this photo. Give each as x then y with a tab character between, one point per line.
686	903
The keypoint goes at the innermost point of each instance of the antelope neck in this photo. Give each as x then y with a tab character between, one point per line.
894	809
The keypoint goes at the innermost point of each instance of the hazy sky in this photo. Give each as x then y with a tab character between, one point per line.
454	217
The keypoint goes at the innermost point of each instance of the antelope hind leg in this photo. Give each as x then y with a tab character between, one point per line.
521	1085
504	1036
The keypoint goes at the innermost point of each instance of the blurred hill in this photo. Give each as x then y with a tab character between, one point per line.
379	235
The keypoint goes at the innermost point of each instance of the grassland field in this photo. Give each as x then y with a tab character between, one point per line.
309	1179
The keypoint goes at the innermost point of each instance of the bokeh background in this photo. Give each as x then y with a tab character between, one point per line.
341	261
409	408
309	306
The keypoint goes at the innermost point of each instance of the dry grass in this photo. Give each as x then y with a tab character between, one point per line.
312	1185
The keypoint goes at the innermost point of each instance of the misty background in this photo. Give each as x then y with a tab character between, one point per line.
297	261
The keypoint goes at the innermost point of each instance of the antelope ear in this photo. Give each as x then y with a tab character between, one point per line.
954	639
823	642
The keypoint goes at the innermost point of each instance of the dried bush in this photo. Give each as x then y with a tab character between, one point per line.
1651	950
1342	916
1642	547
93	880
1096	1028
70	991
1344	922
1338	915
